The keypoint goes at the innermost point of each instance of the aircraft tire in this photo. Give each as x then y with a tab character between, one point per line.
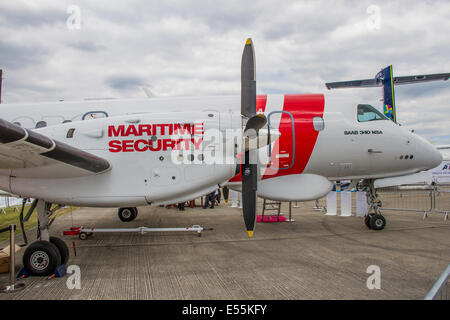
127	214
41	258
62	248
377	222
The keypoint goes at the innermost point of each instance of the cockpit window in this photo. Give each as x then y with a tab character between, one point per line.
368	113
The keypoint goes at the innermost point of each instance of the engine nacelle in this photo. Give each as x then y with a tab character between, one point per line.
296	187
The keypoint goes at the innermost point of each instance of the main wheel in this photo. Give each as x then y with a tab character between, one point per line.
127	214
377	222
41	258
62	248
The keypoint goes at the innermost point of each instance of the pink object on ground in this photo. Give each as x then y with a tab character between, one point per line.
270	218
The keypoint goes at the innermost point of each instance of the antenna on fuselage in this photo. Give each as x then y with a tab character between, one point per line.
385	79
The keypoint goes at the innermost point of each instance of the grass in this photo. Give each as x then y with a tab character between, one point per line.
10	216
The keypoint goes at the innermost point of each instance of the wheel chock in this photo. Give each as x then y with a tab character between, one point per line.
59	272
22	274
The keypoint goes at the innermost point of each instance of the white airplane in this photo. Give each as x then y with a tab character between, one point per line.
158	151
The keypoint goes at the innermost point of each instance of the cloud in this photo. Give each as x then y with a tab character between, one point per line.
124	82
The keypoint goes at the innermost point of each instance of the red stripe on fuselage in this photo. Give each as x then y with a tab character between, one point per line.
261	101
303	108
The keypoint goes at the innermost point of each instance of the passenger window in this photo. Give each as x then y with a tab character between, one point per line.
41	124
318	123
368	113
94	115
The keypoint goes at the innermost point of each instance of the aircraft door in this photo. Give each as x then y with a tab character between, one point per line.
282	151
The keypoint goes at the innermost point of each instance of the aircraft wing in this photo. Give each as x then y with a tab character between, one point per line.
23	151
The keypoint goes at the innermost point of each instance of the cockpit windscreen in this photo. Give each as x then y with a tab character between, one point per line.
368	113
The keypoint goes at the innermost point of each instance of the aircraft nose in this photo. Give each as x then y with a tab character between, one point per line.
429	156
435	158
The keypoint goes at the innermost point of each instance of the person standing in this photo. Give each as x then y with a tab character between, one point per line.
217	196
210	198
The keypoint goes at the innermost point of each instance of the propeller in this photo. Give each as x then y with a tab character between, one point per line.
253	124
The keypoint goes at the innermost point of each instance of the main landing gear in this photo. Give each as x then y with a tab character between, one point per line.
42	257
127	214
374	219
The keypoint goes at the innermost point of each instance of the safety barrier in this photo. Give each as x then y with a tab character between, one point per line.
7	201
426	199
442	198
440	288
433	198
407	198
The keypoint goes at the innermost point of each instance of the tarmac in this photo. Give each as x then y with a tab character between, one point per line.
315	257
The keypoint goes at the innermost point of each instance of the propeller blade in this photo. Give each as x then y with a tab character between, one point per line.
254	123
249	186
248	81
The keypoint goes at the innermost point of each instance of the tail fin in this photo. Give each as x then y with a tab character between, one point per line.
386	77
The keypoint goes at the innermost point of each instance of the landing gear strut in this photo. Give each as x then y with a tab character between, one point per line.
374	219
43	256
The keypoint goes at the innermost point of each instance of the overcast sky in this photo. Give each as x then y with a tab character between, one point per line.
186	48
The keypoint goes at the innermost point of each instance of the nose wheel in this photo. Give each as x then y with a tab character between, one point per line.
374	220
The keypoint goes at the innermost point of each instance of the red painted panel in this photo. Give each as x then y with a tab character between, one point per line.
303	108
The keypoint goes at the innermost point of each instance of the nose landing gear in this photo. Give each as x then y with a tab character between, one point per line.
374	220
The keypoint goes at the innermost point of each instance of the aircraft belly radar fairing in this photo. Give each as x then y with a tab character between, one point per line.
127	153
